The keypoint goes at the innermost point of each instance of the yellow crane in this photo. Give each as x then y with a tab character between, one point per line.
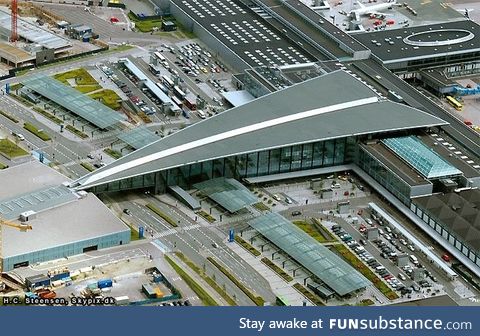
21	227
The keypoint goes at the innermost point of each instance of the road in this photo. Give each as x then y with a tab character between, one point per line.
197	240
457	129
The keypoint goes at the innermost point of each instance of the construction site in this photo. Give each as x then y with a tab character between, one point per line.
31	36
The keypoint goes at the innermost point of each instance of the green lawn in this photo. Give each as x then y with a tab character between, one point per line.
9	116
367	272
206	299
81	76
88	88
10	149
312	231
145	26
34	130
3	166
108	98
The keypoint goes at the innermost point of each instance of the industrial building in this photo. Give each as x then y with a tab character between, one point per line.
413	48
64	223
235	31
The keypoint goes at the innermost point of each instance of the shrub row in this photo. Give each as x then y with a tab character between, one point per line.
207	216
48	115
76	132
207	279
202	294
34	130
247	246
113	153
258	300
309	295
9	116
277	269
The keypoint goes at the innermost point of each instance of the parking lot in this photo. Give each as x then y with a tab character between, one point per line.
298	201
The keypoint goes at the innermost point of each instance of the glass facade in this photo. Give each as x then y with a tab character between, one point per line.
384	176
273	161
442	230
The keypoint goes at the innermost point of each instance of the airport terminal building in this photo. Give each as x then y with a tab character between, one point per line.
308	125
311	125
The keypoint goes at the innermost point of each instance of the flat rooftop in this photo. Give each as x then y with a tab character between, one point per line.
33	33
80	220
326	26
420	42
394	163
34	176
244	32
77	220
17	54
456	157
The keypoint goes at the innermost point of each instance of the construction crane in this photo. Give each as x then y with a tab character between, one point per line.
14	10
21	227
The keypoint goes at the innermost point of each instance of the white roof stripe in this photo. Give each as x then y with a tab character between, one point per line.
225	135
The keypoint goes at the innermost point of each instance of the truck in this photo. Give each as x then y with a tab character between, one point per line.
104	283
122	300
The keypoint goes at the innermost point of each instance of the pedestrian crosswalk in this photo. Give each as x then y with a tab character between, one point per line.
170	232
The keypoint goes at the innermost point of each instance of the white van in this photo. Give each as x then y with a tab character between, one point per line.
413	259
201	114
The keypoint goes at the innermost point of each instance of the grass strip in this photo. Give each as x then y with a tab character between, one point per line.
366	272
113	153
258	300
209	218
285	276
207	279
309	295
9	116
11	150
77	132
161	214
206	299
261	206
247	246
87	166
37	132
48	115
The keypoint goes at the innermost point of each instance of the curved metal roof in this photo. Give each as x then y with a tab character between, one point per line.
332	106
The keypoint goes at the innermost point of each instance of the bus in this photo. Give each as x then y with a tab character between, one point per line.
162	87
168	81
177	101
452	101
159	57
178	92
153	69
